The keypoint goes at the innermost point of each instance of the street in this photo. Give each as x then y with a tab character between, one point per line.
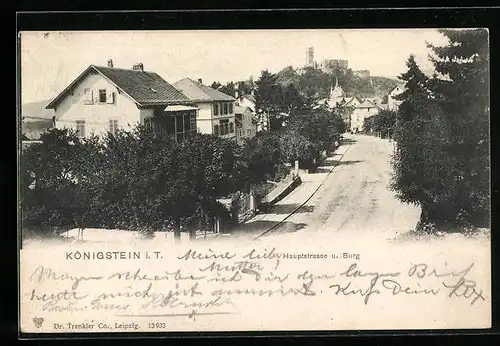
354	197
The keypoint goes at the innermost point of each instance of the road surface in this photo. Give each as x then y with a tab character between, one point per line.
354	197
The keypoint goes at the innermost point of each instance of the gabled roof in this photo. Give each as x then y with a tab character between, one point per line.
250	97
367	104
36	111
241	109
144	87
199	92
400	86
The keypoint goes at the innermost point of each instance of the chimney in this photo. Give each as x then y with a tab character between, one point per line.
200	81
138	67
110	63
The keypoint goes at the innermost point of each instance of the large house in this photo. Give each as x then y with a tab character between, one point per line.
216	109
103	100
360	113
392	103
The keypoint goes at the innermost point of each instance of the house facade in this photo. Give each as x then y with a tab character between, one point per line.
360	113
392	103
216	109
103	100
246	124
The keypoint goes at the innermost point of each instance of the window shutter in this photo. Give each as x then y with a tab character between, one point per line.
88	97
110	98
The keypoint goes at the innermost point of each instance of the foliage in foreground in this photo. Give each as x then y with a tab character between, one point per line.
442	134
132	180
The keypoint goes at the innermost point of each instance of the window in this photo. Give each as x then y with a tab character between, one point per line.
192	121
89	99
225	108
216	109
231	127
102	95
80	128
187	122
113	126
148	123
230	108
224	127
216	130
179	126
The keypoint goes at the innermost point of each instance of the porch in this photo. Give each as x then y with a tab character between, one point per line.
177	121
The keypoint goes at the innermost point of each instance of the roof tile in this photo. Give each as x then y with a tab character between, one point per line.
199	92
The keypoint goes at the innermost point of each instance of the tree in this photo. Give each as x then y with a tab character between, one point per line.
382	123
442	157
320	126
315	83
138	180
465	101
295	146
292	100
215	85
288	76
228	89
416	94
268	96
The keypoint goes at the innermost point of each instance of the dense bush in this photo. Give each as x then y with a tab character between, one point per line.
382	123
132	180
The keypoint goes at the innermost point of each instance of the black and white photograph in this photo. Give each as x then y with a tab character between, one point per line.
254	180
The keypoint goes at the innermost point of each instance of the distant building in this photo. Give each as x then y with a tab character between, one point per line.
361	112
330	65
104	100
247	100
362	73
375	100
392	103
336	96
36	119
246	124
351	102
310	57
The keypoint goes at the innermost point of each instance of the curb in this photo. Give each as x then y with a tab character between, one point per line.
303	203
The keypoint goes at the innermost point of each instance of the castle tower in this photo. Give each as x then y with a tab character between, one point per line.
310	57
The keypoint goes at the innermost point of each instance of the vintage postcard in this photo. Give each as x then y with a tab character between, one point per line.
263	180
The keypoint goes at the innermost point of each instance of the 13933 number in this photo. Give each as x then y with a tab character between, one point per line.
156	325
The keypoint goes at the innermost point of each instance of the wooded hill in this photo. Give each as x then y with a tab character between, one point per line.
315	82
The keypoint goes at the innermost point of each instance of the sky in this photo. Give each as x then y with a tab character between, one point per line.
51	60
